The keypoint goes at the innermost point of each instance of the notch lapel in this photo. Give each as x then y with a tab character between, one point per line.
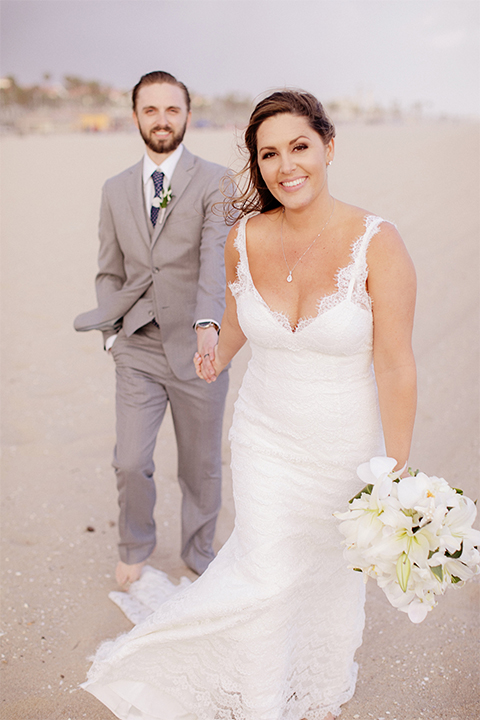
181	178
136	200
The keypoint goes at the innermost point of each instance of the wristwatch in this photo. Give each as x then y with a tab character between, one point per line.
204	324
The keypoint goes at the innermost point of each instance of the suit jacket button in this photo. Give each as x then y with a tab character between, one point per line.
156	270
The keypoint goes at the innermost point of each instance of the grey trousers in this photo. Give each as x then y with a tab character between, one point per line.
145	386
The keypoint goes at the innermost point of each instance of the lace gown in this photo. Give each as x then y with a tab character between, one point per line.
269	631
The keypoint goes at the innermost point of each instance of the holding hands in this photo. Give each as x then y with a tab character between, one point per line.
215	351
205	359
205	366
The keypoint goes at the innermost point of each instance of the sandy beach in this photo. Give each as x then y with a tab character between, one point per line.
59	503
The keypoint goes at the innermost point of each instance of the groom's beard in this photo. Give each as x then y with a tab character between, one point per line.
163	146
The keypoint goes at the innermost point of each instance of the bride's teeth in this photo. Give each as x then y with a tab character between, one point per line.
292	183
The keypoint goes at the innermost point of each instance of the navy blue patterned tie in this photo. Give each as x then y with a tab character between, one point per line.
157	178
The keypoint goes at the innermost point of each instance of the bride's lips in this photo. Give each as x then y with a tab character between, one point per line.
293	184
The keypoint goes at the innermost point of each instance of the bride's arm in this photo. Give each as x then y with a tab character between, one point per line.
392	287
231	337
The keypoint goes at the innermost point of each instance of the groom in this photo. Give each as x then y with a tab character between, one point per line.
160	291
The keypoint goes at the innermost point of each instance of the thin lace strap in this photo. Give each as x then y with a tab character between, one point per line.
243	273
372	227
359	252
241	239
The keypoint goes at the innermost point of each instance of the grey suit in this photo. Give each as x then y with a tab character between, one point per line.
174	274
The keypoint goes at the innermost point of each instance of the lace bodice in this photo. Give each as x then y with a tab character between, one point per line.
350	280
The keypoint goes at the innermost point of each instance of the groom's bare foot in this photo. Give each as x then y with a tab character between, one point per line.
125	574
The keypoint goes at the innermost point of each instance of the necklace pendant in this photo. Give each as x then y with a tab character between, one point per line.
289	277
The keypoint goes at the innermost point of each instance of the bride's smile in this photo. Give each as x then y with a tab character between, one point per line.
293	160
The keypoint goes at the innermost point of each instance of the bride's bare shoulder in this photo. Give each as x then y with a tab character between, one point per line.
263	223
257	227
353	219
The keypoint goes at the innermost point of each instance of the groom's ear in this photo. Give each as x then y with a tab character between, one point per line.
135	119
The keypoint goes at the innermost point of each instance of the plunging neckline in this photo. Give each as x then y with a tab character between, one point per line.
327	300
303	321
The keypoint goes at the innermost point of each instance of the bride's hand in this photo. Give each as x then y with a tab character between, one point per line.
206	366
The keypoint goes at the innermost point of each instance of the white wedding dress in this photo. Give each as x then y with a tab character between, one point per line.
269	631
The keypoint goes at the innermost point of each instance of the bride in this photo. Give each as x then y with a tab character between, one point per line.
324	292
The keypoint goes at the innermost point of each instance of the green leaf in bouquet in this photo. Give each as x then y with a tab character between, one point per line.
455	579
458	490
438	572
456	554
357	569
367	490
404	567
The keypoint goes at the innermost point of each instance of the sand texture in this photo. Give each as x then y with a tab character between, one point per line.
58	493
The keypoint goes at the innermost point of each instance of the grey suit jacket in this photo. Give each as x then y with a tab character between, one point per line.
176	274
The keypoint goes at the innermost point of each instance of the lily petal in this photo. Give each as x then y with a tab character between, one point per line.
411	490
417	611
381	465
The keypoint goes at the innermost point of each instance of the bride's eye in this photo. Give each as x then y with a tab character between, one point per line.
302	146
267	155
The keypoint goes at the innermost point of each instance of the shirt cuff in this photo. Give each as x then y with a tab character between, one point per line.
109	342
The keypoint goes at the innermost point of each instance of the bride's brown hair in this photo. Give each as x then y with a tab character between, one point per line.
255	196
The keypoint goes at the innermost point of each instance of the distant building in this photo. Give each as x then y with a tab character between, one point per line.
94	122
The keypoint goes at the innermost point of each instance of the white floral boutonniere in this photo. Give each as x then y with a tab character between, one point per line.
162	201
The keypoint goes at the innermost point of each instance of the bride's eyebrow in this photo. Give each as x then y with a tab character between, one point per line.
292	142
266	147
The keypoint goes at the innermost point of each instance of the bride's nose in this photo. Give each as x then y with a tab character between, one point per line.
287	164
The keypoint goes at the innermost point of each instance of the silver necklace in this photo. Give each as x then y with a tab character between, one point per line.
290	271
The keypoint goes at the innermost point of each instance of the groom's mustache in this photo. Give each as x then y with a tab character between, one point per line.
168	128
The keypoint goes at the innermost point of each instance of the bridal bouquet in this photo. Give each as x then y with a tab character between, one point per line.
413	535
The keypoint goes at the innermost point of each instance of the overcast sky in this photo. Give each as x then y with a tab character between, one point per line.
386	50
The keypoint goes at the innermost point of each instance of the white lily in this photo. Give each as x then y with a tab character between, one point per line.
453	569
412	490
416	545
392	517
377	472
457	527
444	494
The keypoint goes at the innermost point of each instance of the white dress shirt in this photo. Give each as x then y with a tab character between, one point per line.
167	167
